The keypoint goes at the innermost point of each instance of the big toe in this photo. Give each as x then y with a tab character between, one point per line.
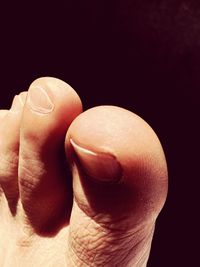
119	185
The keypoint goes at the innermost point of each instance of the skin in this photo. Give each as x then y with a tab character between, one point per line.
53	213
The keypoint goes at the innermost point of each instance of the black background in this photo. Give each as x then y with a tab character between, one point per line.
140	55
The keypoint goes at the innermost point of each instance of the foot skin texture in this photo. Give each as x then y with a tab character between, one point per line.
76	188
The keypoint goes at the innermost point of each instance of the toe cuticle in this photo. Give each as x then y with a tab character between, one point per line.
101	166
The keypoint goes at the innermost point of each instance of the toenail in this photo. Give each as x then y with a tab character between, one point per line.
22	97
39	100
16	105
101	166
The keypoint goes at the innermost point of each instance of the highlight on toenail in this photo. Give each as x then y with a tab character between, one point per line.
101	166
22	97
16	105
39	100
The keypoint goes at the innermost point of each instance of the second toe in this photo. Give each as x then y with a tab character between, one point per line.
44	179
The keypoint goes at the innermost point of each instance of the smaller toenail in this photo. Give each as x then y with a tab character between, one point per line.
39	101
101	166
22	97
16	105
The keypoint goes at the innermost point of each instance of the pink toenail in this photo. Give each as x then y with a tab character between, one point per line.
39	101
101	166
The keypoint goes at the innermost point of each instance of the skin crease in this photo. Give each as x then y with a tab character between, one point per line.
186	16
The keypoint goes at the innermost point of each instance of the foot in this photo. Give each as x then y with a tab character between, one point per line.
77	189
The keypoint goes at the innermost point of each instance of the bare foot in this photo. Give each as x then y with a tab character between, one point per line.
103	211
